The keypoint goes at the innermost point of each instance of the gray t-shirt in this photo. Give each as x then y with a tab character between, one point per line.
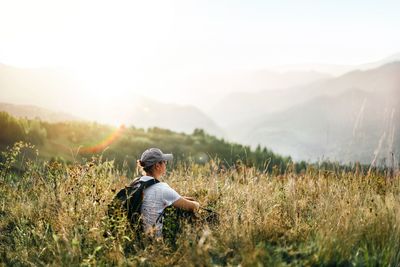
155	199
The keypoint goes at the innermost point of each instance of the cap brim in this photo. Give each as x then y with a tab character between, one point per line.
168	157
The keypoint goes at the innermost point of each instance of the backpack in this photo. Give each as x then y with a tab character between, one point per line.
127	203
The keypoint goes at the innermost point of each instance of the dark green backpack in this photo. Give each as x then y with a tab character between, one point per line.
128	202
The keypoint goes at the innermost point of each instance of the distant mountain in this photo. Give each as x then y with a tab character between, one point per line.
337	69
259	80
377	64
244	106
384	79
349	118
261	92
145	112
248	106
34	112
205	90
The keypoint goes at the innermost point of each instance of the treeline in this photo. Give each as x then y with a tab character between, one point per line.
13	130
69	141
77	141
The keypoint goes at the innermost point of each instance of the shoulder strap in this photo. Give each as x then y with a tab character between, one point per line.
140	185
148	183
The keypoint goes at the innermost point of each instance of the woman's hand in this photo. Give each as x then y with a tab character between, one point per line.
197	205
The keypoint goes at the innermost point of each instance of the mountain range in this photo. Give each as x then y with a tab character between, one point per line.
307	115
348	118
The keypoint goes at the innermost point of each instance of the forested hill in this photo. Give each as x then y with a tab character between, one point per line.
69	141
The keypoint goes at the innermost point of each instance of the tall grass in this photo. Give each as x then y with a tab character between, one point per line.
55	214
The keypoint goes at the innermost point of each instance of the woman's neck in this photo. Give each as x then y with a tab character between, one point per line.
155	176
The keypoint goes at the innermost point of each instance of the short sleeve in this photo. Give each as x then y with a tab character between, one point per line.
169	195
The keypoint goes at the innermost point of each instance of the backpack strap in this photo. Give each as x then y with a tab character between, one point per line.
143	184
128	190
146	184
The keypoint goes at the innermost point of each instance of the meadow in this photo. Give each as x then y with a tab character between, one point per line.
54	214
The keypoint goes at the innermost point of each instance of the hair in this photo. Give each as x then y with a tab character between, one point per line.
147	170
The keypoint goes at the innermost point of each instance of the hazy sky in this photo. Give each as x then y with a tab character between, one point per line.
198	35
145	39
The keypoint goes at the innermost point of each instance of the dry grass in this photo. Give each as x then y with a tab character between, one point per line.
52	214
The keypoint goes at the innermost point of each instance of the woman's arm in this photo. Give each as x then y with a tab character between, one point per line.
185	204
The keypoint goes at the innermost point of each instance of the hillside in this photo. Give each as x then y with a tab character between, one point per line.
77	141
58	217
33	112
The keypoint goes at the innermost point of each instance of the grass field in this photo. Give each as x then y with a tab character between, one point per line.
54	214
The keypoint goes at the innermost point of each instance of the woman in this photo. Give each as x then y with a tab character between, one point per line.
160	195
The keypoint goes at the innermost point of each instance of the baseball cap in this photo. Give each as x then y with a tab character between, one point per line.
153	155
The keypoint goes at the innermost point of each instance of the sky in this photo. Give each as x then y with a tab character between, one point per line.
134	42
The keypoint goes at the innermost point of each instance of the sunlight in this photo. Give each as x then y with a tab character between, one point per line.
109	54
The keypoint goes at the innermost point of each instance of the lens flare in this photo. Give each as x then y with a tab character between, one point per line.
104	143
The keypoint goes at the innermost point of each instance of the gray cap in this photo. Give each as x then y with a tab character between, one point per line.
153	155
